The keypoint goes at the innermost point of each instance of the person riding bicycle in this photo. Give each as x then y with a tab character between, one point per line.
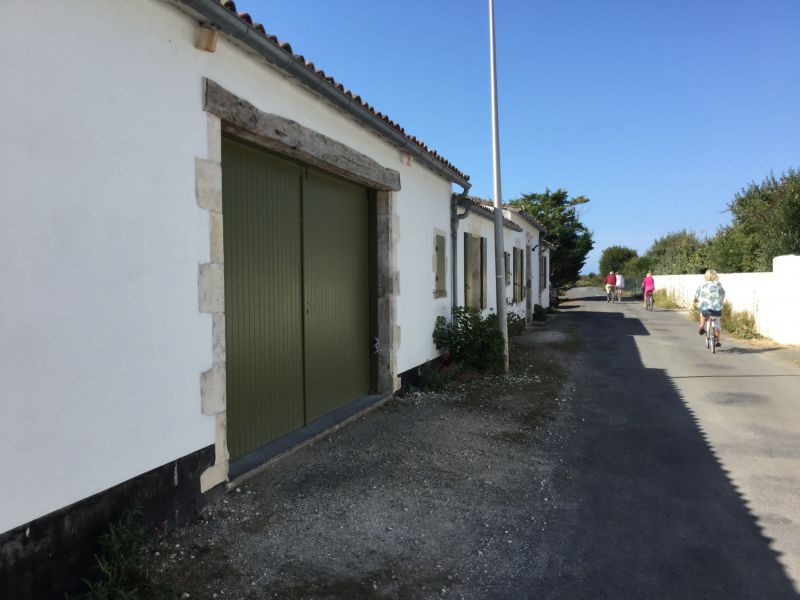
611	282
648	286
619	283
710	297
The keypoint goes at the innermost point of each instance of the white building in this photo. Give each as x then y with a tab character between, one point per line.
526	259
155	161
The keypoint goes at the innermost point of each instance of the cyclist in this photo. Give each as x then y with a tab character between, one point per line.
611	282
710	296
648	286
619	283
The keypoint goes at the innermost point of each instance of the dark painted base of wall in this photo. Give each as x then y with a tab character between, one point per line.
47	557
412	377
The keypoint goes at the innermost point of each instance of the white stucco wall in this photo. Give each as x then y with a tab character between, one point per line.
423	209
532	235
514	239
478	225
771	297
103	340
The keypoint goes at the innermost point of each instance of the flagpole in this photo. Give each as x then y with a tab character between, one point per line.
499	249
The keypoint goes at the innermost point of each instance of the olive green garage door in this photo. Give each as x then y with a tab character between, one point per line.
297	283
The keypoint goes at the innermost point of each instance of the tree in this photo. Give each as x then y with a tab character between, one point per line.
676	253
572	239
766	223
614	258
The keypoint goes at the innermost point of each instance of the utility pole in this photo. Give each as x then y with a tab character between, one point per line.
499	263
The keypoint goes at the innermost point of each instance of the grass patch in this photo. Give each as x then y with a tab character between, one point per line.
663	299
739	323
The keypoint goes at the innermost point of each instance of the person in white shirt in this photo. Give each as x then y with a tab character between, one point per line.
620	286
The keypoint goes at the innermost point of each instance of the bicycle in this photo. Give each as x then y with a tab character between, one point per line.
712	325
619	294
609	294
648	303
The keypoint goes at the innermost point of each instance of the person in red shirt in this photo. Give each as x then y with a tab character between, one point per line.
611	281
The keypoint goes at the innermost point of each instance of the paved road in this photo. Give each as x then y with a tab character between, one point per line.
682	477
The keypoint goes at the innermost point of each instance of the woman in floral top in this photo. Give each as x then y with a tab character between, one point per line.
710	296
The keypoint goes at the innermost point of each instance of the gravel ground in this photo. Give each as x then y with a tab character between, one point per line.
432	495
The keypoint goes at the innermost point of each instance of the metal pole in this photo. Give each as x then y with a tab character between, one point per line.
499	266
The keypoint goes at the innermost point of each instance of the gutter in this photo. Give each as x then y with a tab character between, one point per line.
458	201
230	24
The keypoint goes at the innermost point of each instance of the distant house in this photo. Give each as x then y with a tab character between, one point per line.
537	248
211	245
526	269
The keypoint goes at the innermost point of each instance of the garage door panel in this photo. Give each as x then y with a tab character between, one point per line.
336	291
263	296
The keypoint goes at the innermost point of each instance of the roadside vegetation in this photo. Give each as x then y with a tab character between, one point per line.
471	344
664	299
121	574
740	324
765	223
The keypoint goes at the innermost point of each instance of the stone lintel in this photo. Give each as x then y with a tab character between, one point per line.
288	137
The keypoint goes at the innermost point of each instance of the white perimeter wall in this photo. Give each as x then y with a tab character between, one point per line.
103	342
771	297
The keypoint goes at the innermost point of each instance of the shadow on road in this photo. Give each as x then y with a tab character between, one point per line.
657	516
740	350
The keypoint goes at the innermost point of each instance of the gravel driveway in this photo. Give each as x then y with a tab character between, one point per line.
432	495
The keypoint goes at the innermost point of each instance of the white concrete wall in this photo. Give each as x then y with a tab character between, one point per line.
103	342
771	297
423	209
480	226
533	235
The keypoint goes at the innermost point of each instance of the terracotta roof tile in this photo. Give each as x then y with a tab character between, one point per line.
286	47
486	209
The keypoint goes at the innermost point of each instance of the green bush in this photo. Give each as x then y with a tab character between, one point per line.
539	313
739	323
470	339
516	323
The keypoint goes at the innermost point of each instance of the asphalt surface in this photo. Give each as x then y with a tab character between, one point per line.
682	478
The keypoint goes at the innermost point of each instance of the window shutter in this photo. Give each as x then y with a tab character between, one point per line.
441	266
483	274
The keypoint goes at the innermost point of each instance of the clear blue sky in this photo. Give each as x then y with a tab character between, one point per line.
659	112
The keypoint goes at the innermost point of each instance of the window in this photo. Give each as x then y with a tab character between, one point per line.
519	275
507	258
439	266
542	273
474	271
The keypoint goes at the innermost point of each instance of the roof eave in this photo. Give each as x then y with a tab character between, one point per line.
230	24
